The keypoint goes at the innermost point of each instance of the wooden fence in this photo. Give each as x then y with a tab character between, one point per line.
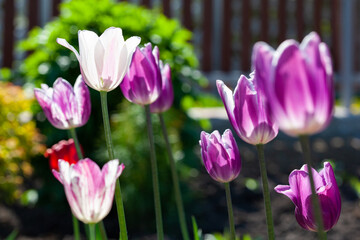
224	30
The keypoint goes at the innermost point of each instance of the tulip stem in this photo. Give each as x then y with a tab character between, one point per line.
305	145
109	145
92	231
266	193
230	211
102	230
76	141
175	178
155	180
76	227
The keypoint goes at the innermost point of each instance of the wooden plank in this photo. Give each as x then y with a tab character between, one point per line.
207	31
356	36
317	16
335	33
55	7
33	14
226	38
186	15
146	3
300	19
282	19
264	12
245	35
166	8
8	33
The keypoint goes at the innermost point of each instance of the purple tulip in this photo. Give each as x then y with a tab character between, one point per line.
89	190
220	155
142	83
64	106
248	111
103	60
299	191
166	98
298	78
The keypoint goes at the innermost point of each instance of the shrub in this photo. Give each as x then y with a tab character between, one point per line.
19	140
48	60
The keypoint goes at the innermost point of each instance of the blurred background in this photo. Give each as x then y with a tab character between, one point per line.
202	40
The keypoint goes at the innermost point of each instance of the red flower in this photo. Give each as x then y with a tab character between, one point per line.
64	150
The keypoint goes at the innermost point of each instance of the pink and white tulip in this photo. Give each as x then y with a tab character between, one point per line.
89	190
103	60
64	106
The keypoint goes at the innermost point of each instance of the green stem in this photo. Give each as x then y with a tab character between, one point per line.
76	141
76	227
155	179
102	230
175	178
230	211
92	231
266	193
305	145
109	145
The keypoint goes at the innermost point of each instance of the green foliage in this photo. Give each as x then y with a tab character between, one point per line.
12	235
196	231
49	60
19	140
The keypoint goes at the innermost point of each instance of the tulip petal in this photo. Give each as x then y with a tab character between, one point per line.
82	95
64	43
229	104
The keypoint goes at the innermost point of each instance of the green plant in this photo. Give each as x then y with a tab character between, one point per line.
48	60
19	140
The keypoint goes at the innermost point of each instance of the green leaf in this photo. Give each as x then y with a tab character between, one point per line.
196	231
12	235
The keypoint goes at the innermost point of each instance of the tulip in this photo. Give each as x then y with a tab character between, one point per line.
103	60
166	98
89	190
64	106
298	78
64	150
142	84
248	111
220	155
299	192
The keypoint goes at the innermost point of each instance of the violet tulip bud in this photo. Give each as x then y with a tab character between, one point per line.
298	78
299	192
220	155
248	111
103	60
89	190
64	106
166	98
142	84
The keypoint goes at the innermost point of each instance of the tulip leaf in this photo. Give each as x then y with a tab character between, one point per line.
197	232
12	235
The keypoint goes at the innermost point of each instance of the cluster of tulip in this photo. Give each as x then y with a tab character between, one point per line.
106	62
291	89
